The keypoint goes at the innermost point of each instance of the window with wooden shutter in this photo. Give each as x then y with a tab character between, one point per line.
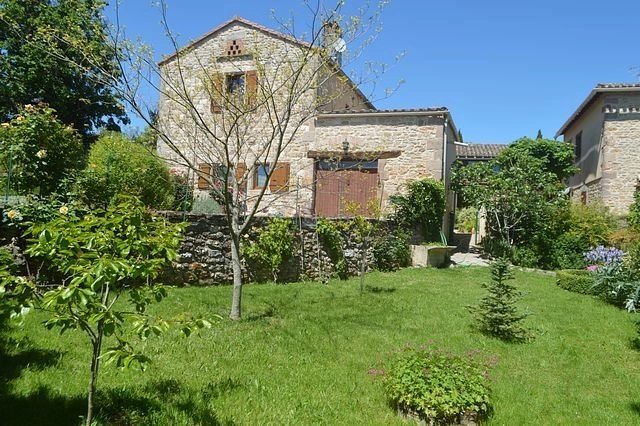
204	176
251	81
217	93
280	178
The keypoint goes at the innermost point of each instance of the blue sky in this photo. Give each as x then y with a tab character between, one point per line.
504	68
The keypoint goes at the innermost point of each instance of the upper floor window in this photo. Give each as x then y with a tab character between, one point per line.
578	147
235	84
237	90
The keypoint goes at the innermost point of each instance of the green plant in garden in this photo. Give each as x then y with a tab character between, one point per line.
119	166
391	250
436	386
37	151
423	206
633	218
103	257
497	314
272	246
466	219
54	51
330	236
521	191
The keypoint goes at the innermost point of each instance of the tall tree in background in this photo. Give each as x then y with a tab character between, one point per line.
30	31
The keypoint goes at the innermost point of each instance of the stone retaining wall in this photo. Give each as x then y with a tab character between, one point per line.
205	255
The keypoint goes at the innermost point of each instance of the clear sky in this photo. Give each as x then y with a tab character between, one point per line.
505	68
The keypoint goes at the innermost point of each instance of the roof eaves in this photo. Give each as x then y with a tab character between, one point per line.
600	88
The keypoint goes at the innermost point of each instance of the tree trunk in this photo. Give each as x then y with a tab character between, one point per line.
236	301
95	366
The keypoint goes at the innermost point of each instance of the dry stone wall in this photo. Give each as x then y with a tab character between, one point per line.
205	255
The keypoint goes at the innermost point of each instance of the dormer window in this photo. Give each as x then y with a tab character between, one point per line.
234	47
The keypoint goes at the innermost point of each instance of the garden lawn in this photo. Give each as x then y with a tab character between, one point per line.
303	355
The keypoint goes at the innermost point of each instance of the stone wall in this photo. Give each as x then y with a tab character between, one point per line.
621	161
205	255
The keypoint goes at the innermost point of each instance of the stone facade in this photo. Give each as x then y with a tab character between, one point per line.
607	126
407	144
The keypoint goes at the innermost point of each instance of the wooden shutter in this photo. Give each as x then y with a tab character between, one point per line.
204	174
280	178
251	81
217	93
241	176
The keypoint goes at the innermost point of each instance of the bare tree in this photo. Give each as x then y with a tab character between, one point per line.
231	108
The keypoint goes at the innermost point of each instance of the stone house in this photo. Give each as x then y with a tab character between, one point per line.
605	131
346	156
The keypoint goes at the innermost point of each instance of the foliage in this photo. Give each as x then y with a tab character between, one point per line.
391	250
521	193
182	191
634	211
556	157
330	236
466	219
119	166
274	244
437	386
423	206
576	280
38	151
100	256
497	314
52	51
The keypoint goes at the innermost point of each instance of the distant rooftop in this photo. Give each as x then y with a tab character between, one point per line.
600	88
478	151
389	111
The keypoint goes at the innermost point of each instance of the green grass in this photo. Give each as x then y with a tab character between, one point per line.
303	352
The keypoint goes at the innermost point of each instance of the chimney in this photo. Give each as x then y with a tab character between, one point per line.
331	40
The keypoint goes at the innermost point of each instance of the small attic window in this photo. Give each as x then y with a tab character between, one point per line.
234	47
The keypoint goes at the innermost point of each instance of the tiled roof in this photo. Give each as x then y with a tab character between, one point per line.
388	111
617	85
478	151
600	88
237	19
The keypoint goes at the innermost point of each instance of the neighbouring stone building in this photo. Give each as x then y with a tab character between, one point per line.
605	131
345	156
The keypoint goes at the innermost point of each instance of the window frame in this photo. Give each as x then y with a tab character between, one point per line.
256	175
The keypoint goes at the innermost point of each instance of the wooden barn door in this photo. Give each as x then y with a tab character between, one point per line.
345	188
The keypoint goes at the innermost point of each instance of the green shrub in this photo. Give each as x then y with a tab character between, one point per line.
38	150
525	257
272	246
497	314
330	237
466	219
423	206
119	166
576	280
391	250
634	211
436	386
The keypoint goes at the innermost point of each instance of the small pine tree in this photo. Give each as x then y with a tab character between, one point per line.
460	139
539	136
497	314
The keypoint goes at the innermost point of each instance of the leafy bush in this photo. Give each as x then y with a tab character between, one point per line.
423	206
497	314
391	250
331	238
568	250
436	386
634	211
525	257
38	150
273	244
182	191
119	166
466	219
576	280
